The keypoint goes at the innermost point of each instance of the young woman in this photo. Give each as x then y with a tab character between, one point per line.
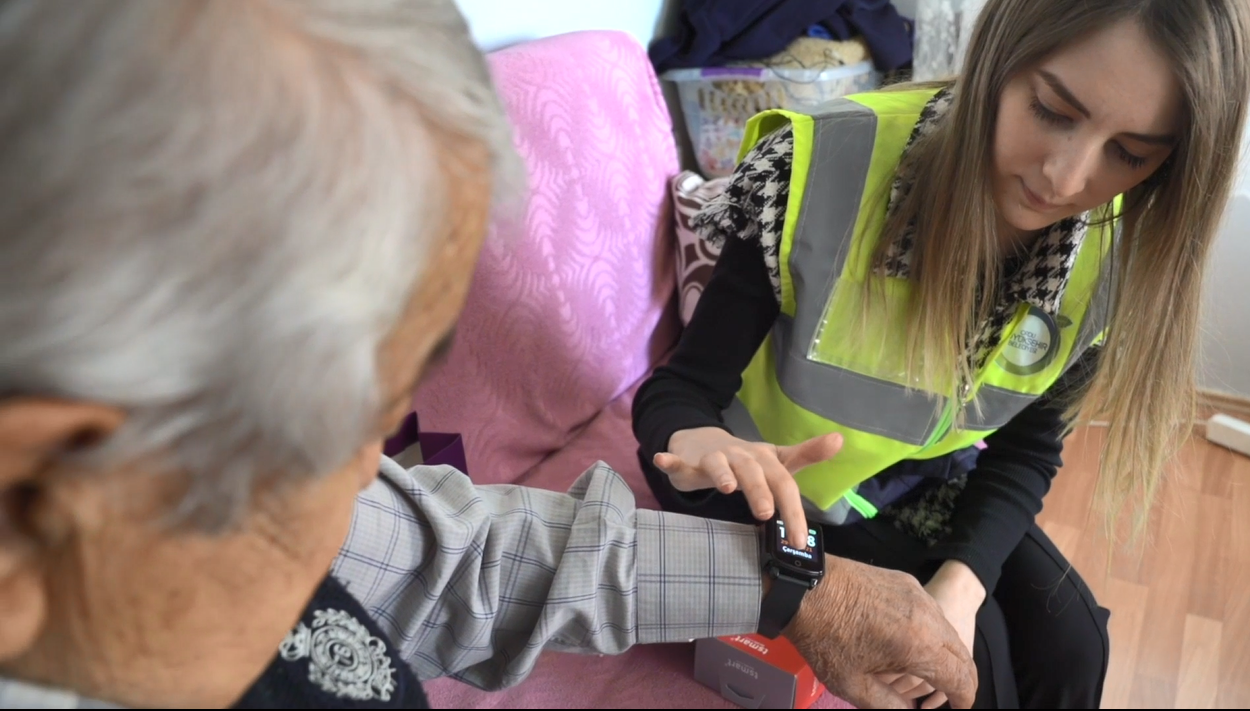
912	274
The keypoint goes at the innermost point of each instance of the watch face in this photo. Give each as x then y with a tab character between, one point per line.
810	561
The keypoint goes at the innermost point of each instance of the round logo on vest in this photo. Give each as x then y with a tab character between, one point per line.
1032	346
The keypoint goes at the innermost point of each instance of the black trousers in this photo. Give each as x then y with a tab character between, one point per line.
1041	639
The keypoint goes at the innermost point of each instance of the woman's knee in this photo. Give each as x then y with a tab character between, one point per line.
1081	641
1068	667
1076	623
1060	643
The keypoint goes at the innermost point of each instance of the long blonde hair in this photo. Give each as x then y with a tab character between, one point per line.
1144	385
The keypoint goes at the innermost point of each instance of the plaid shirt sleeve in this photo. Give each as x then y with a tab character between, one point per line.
475	582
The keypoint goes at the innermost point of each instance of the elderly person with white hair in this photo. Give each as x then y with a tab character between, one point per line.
233	236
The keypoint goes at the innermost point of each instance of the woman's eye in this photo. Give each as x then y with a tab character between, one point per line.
1046	114
1133	161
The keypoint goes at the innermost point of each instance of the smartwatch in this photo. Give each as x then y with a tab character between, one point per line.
792	571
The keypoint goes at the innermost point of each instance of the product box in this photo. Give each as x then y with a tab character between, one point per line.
756	672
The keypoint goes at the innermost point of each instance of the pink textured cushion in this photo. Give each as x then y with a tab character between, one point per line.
652	677
608	438
576	306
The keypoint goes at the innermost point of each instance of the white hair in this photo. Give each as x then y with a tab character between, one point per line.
213	214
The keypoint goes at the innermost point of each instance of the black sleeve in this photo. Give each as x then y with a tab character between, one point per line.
1004	493
731	320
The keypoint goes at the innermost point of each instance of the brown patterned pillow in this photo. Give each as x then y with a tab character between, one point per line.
695	257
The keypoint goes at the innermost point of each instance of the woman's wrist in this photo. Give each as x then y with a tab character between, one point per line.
675	440
960	578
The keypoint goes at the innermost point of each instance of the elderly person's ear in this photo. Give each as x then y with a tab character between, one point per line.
35	434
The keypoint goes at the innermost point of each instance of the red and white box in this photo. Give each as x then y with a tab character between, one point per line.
756	672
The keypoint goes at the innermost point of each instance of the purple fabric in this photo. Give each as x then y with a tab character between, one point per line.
437	448
898	482
715	32
404	437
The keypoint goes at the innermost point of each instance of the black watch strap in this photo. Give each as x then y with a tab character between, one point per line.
780	605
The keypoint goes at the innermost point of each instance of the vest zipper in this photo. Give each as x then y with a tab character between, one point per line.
943	427
948	417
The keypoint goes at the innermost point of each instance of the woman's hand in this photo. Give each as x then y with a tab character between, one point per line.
960	594
711	458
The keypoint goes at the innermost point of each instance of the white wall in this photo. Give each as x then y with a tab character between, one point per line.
1226	322
499	23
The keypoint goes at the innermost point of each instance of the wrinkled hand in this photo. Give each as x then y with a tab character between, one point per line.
862	625
711	458
960	594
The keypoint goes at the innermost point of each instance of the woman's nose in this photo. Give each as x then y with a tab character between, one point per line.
1070	169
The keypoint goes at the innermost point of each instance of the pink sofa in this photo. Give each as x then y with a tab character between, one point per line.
569	311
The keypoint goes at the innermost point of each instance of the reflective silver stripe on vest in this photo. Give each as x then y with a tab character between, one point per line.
852	399
843	138
997	407
1099	310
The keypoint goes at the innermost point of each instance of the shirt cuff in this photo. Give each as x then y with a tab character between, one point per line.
683	418
697	578
987	571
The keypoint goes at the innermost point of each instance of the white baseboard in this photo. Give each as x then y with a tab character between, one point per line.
1229	432
1213	402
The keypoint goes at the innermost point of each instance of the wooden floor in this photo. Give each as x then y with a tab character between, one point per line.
1180	604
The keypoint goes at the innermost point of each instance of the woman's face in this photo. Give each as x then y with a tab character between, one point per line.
1086	124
